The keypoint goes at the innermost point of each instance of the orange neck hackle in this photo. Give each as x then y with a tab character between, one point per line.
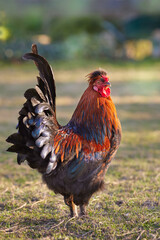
94	116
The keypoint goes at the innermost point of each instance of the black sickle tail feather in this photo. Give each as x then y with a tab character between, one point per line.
46	75
37	123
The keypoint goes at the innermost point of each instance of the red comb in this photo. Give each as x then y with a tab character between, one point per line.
105	78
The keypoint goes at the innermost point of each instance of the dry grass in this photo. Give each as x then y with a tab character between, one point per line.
129	206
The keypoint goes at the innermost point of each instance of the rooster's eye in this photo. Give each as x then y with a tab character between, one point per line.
102	80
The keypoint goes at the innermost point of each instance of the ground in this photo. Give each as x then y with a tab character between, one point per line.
128	208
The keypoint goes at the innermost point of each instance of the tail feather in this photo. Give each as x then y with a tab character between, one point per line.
23	112
29	106
41	93
34	48
46	75
41	84
15	138
19	148
29	93
37	122
34	101
21	158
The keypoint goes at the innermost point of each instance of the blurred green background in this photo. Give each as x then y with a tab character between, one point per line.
114	29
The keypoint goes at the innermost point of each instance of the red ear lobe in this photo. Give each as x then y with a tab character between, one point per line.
95	88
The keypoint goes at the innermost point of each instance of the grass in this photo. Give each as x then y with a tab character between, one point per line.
129	206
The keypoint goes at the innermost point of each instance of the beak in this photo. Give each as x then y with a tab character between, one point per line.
107	84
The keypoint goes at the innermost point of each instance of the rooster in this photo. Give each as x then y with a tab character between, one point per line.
72	159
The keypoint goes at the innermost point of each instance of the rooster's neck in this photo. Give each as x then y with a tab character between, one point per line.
94	117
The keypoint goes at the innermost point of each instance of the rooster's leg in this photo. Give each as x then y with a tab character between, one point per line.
82	210
73	208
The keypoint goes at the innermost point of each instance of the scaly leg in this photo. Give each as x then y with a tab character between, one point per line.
73	208
83	210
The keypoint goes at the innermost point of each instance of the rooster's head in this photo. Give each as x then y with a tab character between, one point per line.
100	82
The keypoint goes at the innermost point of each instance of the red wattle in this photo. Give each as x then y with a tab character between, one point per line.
105	92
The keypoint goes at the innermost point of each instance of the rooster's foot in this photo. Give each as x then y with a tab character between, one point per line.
83	210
